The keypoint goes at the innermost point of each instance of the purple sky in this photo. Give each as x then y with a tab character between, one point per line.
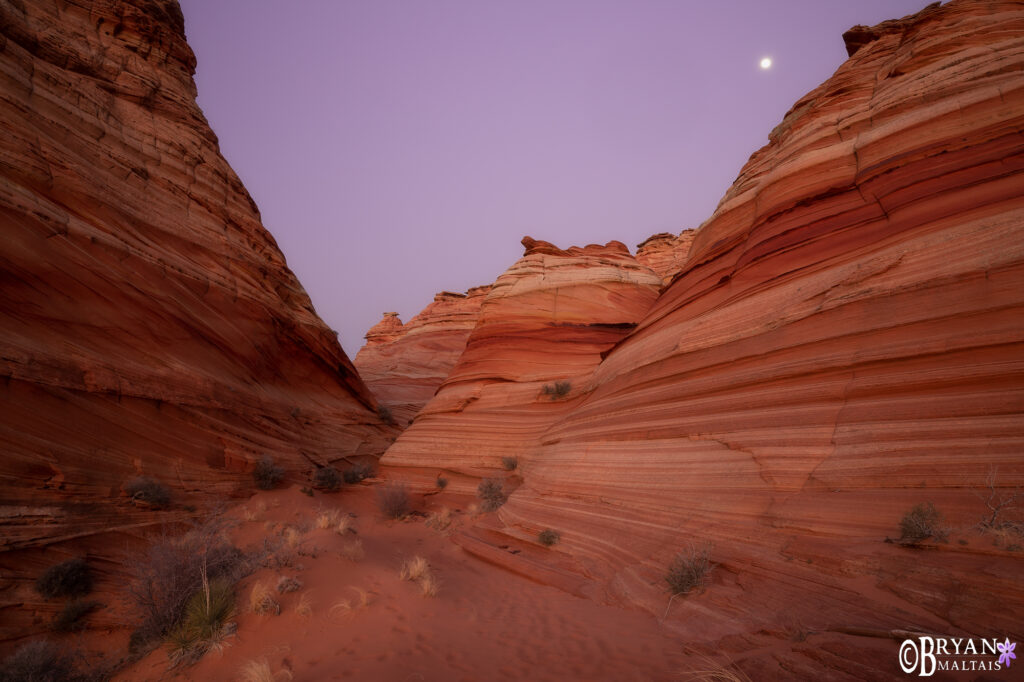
397	149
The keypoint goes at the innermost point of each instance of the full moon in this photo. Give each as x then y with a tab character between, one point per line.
766	63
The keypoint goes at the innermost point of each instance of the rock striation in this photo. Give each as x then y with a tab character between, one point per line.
844	342
545	321
405	364
665	253
148	324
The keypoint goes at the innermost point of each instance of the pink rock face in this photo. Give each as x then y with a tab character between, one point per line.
844	342
546	320
665	253
405	364
148	324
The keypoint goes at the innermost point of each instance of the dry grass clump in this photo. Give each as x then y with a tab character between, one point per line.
304	607
440	520
261	601
347	607
292	537
328	518
418	570
259	671
286	583
353	550
344	525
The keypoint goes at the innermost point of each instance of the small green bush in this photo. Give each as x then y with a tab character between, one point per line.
327	478
357	473
393	500
71	578
442	482
204	617
922	522
148	490
689	570
71	618
491	493
385	415
266	474
547	537
509	463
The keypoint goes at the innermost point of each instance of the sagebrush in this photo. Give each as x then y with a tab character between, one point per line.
491	493
393	500
689	569
71	578
267	474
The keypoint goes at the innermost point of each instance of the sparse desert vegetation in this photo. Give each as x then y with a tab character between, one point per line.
547	537
266	474
689	569
418	570
922	522
357	472
41	661
287	584
491	492
260	671
328	479
353	550
509	463
71	578
261	600
72	617
393	500
149	491
558	389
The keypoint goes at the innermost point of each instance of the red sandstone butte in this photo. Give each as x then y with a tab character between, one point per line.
149	324
665	253
547	319
405	364
844	342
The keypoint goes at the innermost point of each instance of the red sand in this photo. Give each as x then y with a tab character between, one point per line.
484	624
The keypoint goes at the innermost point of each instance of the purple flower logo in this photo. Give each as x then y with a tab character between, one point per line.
1006	652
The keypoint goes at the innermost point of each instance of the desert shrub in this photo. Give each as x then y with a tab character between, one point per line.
173	569
206	612
418	570
442	482
491	493
393	500
40	661
266	474
689	570
148	490
559	389
547	537
71	617
385	415
259	671
509	463
357	473
261	601
71	578
327	478
922	522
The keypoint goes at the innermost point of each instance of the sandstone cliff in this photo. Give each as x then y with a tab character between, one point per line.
148	323
546	320
844	342
405	364
665	253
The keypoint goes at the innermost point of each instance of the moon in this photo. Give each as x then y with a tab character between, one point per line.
766	63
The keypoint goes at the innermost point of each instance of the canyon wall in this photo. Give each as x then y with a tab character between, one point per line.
405	364
546	320
665	253
844	342
148	324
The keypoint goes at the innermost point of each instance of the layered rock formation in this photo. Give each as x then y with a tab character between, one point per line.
546	320
405	364
148	323
665	253
844	342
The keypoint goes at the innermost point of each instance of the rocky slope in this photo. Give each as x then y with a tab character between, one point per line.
844	342
405	364
148	323
547	319
665	253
